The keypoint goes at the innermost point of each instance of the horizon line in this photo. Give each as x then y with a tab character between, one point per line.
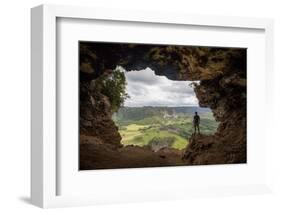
167	106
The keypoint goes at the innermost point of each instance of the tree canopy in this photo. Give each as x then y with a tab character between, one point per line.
114	87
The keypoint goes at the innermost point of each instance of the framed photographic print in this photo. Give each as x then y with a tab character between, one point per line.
130	106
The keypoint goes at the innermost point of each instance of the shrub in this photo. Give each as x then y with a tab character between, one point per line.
114	87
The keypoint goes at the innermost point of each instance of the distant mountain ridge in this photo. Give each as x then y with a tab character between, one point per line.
138	113
180	109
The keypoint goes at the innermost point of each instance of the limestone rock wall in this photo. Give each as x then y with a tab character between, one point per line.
222	87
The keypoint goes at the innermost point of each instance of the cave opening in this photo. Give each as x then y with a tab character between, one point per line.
158	112
219	84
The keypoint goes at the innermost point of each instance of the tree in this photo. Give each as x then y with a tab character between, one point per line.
114	87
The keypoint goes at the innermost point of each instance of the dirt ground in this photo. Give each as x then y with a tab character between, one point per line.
96	155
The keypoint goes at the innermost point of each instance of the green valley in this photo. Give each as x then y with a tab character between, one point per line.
160	127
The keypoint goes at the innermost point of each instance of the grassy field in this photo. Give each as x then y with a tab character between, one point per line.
140	135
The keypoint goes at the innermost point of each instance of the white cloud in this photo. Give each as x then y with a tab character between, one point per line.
147	89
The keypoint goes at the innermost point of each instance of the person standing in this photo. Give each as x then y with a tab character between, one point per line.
196	123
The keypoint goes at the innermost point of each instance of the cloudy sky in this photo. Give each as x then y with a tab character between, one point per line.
147	89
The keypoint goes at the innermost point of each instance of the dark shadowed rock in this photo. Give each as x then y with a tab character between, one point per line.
95	116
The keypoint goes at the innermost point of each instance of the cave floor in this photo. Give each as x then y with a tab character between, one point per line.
94	155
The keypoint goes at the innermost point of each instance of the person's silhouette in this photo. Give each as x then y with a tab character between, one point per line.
196	123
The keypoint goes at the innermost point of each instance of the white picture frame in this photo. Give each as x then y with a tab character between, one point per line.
44	154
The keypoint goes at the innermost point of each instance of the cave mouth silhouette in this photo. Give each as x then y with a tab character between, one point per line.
222	88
